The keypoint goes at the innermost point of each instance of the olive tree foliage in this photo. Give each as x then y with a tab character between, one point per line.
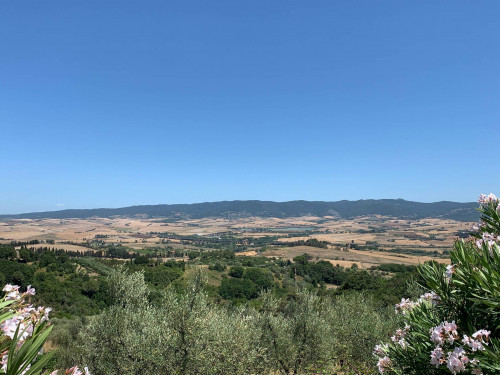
296	334
130	336
63	338
209	340
189	334
356	326
183	335
128	289
311	333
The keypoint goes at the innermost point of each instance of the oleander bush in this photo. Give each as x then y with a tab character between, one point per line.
455	326
25	330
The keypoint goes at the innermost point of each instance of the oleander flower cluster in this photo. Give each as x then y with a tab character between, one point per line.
406	305
457	358
384	363
445	336
404	308
483	233
22	323
487	199
399	336
488	239
381	352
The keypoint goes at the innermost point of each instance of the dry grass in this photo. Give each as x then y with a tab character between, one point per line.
364	259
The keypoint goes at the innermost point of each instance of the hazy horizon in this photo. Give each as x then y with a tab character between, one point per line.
159	102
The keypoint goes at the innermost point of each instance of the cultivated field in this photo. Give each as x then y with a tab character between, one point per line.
365	241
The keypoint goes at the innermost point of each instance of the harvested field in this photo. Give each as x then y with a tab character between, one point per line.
364	259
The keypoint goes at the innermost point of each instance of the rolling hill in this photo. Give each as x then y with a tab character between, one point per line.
345	209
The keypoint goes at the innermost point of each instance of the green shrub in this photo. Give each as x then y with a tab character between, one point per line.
238	289
218	266
236	271
262	278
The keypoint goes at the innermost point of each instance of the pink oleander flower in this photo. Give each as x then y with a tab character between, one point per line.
479	243
488	239
450	268
380	350
9	288
457	360
431	297
9	326
437	357
486	199
42	313
436	336
4	361
405	306
76	371
384	364
27	312
399	336
402	343
445	332
450	330
13	292
482	335
475	345
30	291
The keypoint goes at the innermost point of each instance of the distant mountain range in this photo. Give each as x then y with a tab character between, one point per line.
398	208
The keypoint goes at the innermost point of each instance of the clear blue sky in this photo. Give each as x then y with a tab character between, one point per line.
116	103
